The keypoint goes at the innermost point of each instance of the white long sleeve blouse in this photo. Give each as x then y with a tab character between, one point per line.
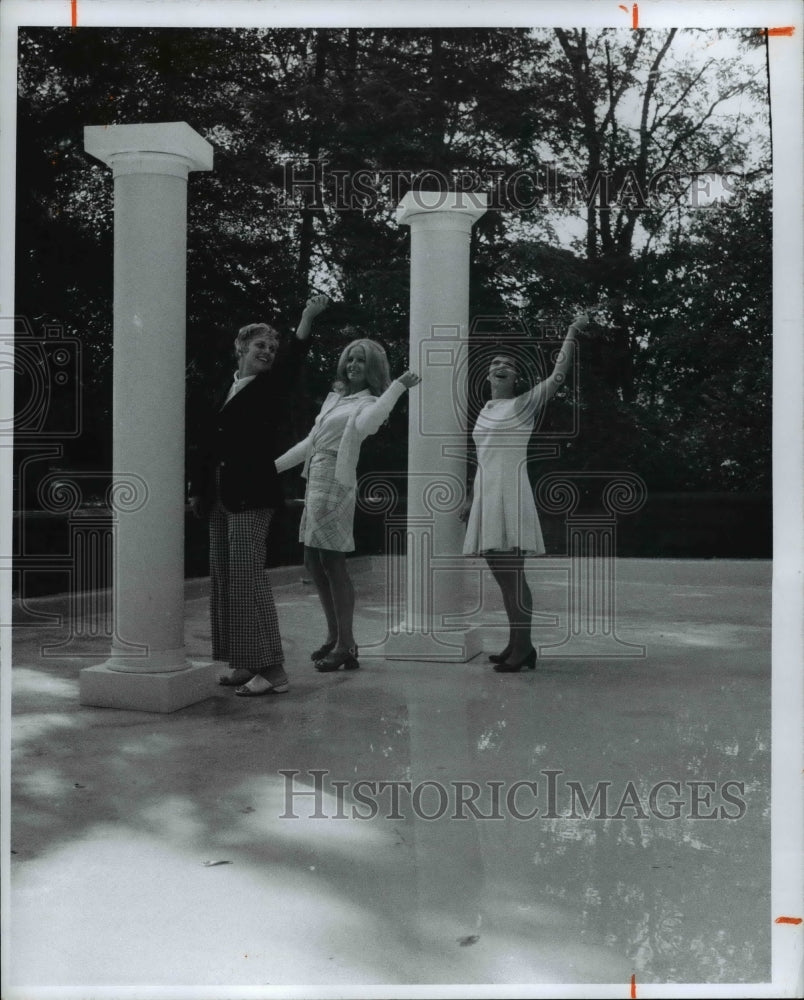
342	424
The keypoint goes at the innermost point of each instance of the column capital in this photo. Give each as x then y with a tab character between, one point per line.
153	148
441	209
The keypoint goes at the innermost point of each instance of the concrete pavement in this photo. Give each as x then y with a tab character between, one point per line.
154	851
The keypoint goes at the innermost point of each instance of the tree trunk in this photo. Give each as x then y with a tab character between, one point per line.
313	198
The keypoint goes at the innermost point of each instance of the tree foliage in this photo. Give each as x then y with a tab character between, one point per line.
587	142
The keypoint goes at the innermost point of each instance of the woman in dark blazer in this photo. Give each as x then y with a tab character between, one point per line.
236	485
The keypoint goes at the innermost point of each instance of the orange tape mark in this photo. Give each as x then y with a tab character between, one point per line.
788	920
74	13
787	32
633	986
634	14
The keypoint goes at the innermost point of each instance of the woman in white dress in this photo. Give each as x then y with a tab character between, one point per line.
361	403
502	523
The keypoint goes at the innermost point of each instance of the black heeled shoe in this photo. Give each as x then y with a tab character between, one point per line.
509	668
323	649
500	657
347	660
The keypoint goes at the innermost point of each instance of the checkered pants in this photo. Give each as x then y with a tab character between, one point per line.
245	627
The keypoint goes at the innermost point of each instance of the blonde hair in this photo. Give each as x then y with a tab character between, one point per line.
378	373
248	333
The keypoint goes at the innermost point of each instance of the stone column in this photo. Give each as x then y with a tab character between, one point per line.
150	163
441	225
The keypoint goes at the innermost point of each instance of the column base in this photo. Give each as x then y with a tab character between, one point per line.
102	687
445	646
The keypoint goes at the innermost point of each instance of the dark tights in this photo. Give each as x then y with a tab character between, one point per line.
509	572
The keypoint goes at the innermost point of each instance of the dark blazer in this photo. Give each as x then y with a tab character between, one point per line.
241	440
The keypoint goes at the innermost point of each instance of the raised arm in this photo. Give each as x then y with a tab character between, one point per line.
288	364
548	387
372	417
315	306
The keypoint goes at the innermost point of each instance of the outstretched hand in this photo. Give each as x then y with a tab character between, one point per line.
580	322
316	305
409	379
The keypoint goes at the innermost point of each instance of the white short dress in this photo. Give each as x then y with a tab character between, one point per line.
503	517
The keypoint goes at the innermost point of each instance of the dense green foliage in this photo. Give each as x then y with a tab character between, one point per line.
604	131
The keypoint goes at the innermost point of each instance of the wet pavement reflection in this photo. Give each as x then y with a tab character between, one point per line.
415	822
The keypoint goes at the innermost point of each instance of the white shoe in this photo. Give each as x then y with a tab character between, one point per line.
258	685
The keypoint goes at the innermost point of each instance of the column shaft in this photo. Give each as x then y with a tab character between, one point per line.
150	164
439	319
149	366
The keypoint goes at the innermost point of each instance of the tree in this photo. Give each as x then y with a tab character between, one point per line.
585	141
706	362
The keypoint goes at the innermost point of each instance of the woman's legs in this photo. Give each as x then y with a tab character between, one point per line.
523	604
253	624
497	571
336	592
315	567
343	597
509	572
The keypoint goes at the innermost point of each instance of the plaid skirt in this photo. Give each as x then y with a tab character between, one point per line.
329	507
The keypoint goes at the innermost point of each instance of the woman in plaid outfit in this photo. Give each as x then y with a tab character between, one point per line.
361	402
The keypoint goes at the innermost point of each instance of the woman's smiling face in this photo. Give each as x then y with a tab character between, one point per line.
356	368
259	355
503	373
